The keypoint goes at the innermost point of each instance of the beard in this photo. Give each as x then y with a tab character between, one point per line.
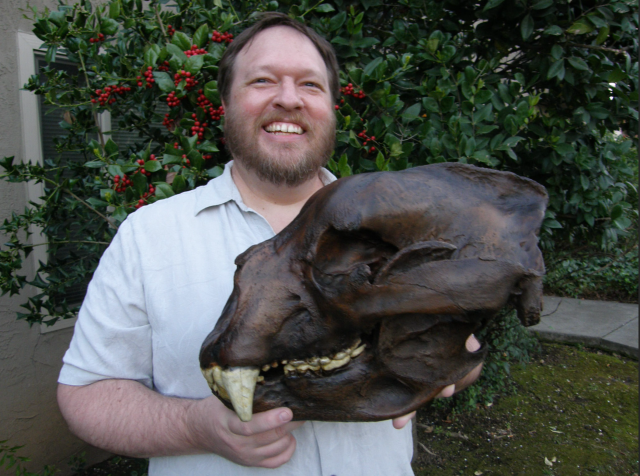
290	164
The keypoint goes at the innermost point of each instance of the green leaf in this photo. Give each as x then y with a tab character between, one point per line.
584	181
181	40
201	36
492	4
526	27
177	52
163	190
603	34
616	75
168	159
325	8
164	81
372	66
337	21
111	148
152	166
139	183
343	166
578	63
114	9
411	114
150	57
194	64
115	170
616	212
367	42
581	27
550	223
208	146
179	184
542	4
622	223
94	164
108	26
553	30
215	171
483	113
556	69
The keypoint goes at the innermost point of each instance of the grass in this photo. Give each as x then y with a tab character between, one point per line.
575	413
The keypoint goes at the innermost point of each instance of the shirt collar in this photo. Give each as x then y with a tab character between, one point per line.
222	189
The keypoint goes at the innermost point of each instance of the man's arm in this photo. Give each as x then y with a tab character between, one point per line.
125	417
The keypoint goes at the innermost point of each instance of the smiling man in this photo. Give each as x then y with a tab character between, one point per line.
131	381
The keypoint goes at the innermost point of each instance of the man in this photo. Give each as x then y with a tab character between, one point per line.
131	382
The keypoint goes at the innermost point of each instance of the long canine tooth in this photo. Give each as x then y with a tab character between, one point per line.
357	351
334	364
240	383
208	375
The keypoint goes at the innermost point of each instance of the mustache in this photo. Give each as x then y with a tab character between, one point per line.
277	116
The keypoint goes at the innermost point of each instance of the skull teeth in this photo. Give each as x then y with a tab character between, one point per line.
315	364
237	384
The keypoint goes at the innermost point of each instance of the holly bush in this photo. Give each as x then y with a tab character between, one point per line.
535	87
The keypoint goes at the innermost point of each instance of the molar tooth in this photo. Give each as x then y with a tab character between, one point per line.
302	368
296	363
289	368
334	364
340	356
313	360
266	367
284	362
324	360
357	351
314	367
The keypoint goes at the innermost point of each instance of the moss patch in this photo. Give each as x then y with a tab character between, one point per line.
574	408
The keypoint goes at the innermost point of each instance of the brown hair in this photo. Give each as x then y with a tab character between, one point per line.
269	20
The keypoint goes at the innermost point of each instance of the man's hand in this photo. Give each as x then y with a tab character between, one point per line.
127	418
265	441
472	345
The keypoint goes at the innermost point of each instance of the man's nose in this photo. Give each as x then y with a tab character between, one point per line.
288	96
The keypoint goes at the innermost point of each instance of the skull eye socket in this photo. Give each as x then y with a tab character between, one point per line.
341	252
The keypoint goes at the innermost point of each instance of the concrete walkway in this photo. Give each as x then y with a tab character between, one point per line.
611	326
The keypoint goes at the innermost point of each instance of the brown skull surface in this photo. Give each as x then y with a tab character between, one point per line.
359	310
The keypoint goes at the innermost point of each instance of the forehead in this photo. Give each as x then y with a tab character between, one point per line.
280	49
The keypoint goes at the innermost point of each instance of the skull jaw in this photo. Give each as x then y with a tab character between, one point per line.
361	392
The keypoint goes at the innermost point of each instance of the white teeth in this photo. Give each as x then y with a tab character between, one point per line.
334	364
324	360
266	367
340	356
240	383
283	127
357	351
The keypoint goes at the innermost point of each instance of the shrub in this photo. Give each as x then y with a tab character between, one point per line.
532	87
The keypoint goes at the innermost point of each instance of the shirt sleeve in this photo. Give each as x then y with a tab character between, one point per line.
112	336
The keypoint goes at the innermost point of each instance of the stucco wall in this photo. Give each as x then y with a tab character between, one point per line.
29	361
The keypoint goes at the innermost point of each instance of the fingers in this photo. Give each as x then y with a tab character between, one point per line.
447	391
400	422
472	344
261	422
265	441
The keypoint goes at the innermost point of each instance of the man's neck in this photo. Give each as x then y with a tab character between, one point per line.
278	204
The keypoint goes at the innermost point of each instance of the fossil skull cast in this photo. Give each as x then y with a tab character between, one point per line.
359	310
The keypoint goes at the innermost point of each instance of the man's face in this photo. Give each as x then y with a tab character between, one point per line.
280	119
